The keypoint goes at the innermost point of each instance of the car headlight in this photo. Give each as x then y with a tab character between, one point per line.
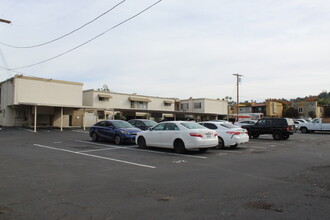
125	132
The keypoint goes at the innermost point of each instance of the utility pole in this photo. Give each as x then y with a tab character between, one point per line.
1	54
238	79
5	21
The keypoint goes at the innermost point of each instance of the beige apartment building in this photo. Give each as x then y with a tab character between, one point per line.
305	109
32	101
204	109
38	102
110	105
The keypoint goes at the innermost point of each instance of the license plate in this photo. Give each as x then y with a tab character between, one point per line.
208	135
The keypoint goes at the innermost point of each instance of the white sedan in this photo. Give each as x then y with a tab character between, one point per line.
179	135
229	135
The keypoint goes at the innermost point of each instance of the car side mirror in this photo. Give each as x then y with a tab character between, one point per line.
149	129
111	127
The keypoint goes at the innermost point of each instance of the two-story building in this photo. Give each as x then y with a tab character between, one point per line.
201	109
109	105
32	101
308	109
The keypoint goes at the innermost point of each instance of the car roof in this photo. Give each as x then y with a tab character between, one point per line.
215	122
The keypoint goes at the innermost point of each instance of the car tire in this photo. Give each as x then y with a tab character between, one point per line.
141	142
202	150
255	135
277	136
234	146
221	143
286	137
118	139
94	137
304	130
179	147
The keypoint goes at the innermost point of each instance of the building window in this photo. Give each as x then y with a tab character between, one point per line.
167	104
139	105
197	105
300	110
184	106
103	99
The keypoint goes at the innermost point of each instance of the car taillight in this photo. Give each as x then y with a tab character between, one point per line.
194	134
233	132
215	134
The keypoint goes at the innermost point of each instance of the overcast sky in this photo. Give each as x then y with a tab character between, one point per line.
180	49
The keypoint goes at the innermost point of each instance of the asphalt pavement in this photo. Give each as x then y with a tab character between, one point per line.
64	175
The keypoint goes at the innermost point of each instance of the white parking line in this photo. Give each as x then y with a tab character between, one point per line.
99	157
84	151
258	147
130	148
79	131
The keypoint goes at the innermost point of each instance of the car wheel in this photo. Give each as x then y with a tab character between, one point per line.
255	135
142	142
233	146
118	139
304	130
221	143
95	137
179	147
202	150
286	137
277	135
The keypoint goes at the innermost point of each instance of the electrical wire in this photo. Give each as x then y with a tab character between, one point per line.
65	35
86	42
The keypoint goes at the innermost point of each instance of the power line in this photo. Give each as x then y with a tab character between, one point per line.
65	35
61	54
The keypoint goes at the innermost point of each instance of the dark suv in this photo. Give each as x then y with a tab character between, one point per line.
280	128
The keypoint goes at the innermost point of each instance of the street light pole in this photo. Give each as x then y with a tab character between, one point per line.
237	92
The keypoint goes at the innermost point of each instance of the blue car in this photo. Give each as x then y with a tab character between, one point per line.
117	131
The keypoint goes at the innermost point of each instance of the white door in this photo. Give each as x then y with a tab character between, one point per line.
170	133
153	137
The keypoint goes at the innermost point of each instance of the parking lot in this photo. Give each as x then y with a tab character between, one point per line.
64	175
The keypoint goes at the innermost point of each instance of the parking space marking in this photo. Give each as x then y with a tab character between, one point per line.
258	147
84	151
130	148
95	156
79	131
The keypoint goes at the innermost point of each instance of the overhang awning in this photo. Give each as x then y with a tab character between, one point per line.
139	99
104	96
52	105
168	101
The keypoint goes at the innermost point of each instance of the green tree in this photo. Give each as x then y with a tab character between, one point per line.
312	114
327	112
291	113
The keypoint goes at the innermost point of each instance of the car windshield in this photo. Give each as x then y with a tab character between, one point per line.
191	125
150	123
228	125
122	124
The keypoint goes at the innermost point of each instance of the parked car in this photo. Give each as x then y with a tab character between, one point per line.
179	135
117	131
229	135
143	124
298	124
246	122
301	120
280	128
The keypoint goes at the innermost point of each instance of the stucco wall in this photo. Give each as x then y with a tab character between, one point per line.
47	92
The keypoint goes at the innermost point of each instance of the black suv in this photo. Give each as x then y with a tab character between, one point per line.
280	128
